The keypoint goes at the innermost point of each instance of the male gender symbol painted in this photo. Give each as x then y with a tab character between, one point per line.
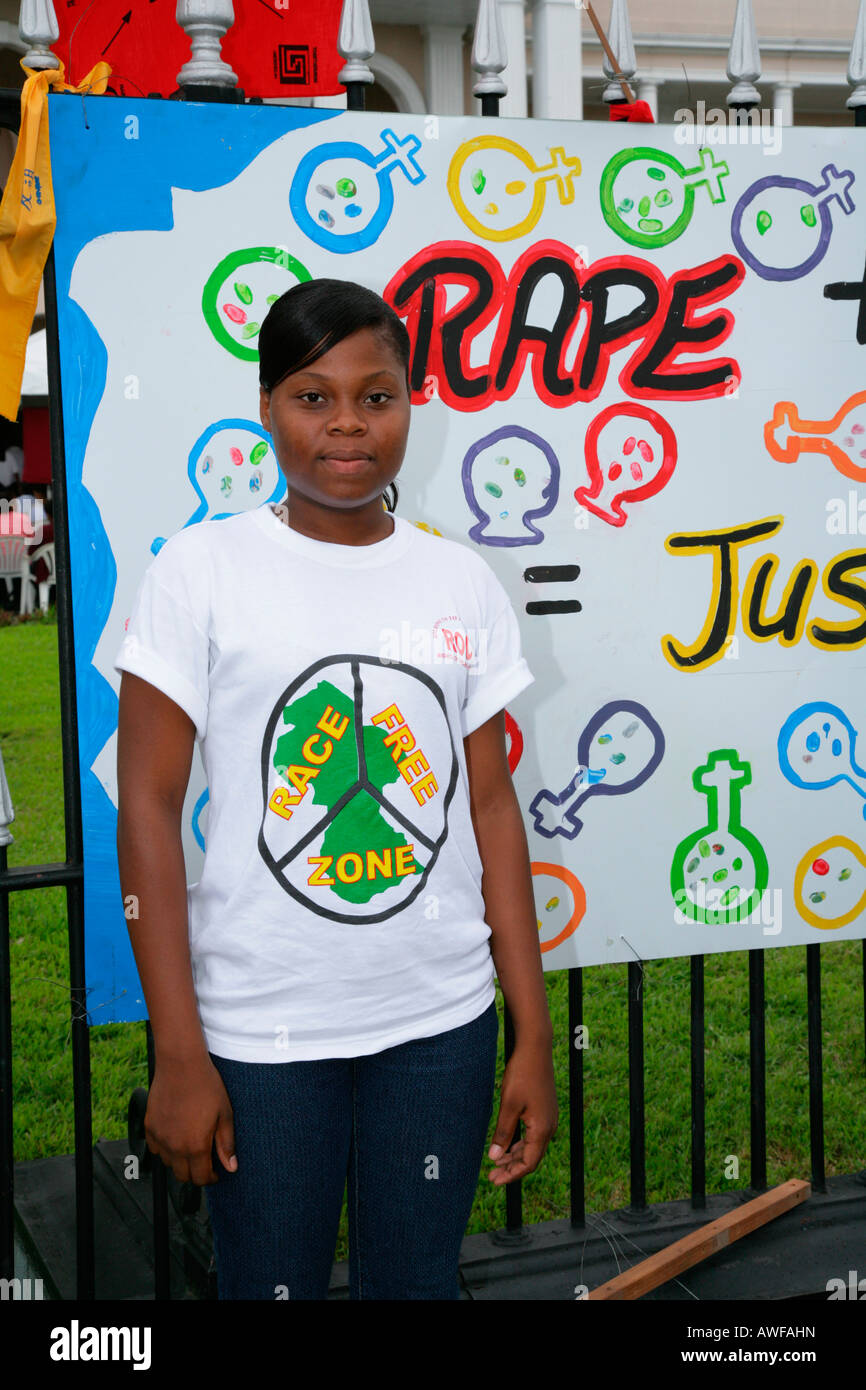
499	190
342	195
647	196
782	226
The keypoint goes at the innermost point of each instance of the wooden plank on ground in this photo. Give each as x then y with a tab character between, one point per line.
706	1240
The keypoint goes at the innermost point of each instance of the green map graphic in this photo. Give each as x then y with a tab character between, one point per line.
360	825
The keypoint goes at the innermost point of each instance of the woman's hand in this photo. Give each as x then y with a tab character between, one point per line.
529	1094
188	1110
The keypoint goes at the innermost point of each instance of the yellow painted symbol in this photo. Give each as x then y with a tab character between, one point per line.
835	896
486	164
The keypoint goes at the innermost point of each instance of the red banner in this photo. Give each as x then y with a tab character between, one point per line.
278	48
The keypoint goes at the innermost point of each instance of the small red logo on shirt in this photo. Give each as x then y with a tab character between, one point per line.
452	642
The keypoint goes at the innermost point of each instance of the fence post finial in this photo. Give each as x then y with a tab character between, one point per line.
205	23
355	42
744	58
489	54
857	61
37	25
621	41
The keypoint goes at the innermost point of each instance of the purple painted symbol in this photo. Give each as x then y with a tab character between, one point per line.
782	226
619	749
509	477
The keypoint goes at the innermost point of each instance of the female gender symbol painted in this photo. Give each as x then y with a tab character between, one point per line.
342	196
781	227
499	191
647	196
720	871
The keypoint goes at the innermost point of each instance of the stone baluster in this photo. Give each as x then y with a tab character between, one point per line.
857	69
744	60
489	57
37	25
355	43
206	22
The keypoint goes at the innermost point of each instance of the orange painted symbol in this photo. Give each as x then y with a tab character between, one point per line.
578	897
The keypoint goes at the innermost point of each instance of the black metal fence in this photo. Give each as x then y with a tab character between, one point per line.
70	875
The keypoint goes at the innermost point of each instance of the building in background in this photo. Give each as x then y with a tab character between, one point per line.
422	58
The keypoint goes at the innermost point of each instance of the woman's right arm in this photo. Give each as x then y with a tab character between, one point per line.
188	1108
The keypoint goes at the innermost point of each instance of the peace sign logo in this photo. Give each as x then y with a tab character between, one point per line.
358	771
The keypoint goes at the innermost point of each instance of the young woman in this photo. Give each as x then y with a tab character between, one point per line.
322	1000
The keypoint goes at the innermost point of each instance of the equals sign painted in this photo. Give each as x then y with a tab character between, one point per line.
552	574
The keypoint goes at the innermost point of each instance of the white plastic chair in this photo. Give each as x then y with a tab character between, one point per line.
15	564
46	553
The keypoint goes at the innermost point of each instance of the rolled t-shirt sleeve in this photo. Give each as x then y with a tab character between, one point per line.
166	641
501	671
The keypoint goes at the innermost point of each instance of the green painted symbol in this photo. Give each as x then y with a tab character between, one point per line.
360	825
627	196
807	212
721	779
239	341
764	222
478	181
494	489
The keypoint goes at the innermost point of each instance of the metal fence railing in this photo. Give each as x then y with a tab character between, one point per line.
488	60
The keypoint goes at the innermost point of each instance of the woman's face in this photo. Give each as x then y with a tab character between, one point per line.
340	426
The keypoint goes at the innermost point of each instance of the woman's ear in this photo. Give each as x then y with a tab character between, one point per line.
265	408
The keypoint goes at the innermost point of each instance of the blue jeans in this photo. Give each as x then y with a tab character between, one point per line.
406	1127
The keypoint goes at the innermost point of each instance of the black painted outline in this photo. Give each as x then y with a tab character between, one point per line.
354	660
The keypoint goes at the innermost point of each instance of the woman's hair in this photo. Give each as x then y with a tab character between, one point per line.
312	317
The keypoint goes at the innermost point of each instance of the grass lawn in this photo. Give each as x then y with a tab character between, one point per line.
30	743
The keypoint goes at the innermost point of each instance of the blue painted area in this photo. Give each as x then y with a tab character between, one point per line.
197	449
106	182
394	154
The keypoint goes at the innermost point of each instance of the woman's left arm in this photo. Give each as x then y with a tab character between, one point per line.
528	1087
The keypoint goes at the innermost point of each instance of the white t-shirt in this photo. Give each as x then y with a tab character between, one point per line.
339	910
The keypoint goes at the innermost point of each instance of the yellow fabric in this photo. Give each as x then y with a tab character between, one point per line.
27	222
